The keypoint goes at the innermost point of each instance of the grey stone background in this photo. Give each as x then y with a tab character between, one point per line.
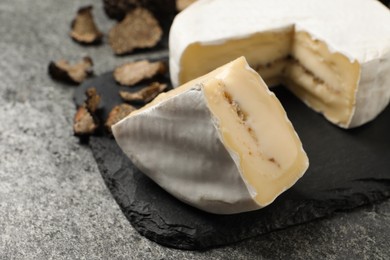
53	202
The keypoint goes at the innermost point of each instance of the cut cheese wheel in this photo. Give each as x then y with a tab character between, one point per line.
334	55
221	143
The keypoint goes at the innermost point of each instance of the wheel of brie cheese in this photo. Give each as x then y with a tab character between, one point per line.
221	143
333	54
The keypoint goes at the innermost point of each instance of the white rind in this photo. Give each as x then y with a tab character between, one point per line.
373	93
358	29
155	139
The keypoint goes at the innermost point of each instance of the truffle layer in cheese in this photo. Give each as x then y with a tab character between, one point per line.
221	143
337	62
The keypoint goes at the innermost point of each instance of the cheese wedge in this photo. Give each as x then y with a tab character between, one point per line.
334	55
221	143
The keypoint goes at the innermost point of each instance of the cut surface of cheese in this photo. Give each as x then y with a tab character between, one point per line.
221	143
334	55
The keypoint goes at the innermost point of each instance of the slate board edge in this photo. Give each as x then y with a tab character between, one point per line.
201	246
188	243
176	239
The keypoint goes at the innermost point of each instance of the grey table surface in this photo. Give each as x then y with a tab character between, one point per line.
53	201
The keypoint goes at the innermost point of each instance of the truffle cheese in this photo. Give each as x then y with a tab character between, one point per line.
221	143
334	55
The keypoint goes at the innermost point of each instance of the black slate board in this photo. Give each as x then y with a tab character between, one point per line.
348	168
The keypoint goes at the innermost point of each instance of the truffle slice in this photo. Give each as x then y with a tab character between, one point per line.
139	29
144	95
93	100
61	70
83	27
131	73
84	123
117	114
164	10
85	120
183	4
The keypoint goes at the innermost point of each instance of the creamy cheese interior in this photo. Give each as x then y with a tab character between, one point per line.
325	80
254	128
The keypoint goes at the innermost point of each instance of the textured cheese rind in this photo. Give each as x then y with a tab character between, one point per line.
357	29
373	91
179	143
180	160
